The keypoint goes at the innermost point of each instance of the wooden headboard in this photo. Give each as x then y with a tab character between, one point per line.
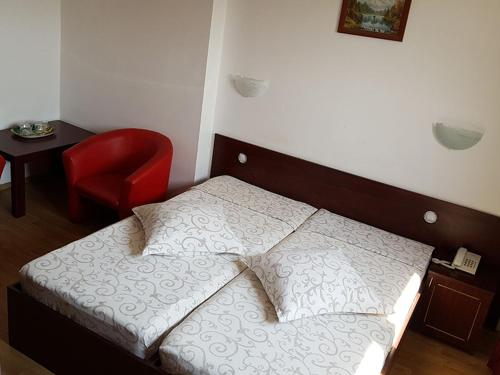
387	207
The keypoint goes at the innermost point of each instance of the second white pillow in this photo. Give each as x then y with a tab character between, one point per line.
303	283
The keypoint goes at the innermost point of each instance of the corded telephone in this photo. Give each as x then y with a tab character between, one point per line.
464	261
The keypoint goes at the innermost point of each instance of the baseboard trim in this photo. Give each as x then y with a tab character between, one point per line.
7	185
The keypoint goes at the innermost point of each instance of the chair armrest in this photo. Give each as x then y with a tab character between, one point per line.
147	184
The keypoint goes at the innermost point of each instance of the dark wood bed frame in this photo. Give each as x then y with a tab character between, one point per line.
65	347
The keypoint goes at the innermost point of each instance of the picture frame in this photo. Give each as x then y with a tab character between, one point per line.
383	19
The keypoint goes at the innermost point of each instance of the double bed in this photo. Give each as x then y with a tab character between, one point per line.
99	305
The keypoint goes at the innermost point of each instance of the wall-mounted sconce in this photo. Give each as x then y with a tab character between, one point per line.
250	87
455	138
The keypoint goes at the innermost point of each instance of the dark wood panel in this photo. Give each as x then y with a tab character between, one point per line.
396	210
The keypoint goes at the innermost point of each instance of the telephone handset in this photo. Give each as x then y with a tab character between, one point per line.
464	261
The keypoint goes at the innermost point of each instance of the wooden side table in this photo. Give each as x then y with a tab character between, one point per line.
454	304
19	151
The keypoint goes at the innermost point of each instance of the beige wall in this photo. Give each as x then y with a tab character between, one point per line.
365	105
135	63
30	32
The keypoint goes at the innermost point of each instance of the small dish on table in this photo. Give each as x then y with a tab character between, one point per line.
33	129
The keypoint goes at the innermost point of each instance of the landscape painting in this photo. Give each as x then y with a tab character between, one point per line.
384	19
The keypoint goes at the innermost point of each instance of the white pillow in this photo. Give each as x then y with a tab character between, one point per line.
176	227
197	222
303	283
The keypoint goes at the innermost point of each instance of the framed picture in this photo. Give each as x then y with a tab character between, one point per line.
385	19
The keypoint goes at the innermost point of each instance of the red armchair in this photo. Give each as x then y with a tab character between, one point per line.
2	164
120	169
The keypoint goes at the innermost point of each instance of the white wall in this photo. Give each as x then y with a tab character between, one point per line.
212	77
366	105
30	33
135	63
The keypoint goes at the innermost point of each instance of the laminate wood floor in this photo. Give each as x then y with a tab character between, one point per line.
46	227
421	355
14	363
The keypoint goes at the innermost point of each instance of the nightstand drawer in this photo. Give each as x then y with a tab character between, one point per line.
452	307
452	312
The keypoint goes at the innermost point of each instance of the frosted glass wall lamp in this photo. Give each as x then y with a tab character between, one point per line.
456	138
250	87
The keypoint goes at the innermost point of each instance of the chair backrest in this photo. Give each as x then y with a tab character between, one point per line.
131	148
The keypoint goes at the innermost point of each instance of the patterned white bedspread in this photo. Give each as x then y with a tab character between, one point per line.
237	331
105	284
369	238
256	199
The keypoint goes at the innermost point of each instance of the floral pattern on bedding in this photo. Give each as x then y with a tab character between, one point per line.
254	198
197	222
105	284
237	332
302	283
310	274
369	238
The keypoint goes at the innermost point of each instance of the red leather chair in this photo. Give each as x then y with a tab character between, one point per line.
120	169
2	165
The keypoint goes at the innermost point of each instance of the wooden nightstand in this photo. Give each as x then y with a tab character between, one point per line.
454	304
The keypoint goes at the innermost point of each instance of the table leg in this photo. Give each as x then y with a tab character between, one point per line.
18	188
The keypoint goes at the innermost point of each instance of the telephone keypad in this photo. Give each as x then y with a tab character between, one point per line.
469	263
